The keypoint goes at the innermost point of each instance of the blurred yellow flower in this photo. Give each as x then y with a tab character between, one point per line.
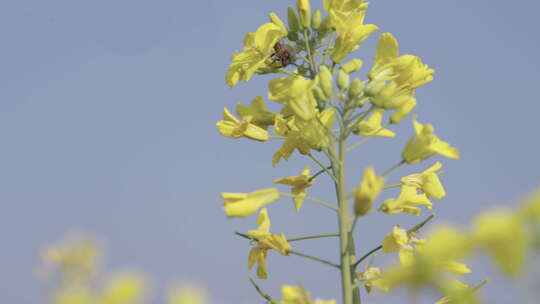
370	187
187	295
408	201
351	31
256	113
395	240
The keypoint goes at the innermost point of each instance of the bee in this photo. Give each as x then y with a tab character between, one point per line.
283	54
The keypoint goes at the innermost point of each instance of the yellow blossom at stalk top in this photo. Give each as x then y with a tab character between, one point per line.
255	58
303	135
245	204
351	31
427	181
296	93
265	241
424	144
370	187
408	201
372	277
395	240
299	184
256	113
372	126
232	127
505	237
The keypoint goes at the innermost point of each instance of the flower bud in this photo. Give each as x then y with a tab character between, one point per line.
356	88
292	19
403	111
352	66
304	11
362	205
326	80
275	20
316	19
319	95
373	88
325	27
342	80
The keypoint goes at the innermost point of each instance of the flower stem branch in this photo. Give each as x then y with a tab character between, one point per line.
262	293
326	169
313	237
314	258
316	201
308	51
323	167
392	186
394	167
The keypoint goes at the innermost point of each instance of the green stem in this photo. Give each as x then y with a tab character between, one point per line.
314	258
313	237
392	186
287	72
410	231
316	201
319	173
308	51
262	293
327	53
394	167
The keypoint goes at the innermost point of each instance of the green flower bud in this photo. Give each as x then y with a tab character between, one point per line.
403	111
356	88
342	80
373	88
316	19
292	19
304	11
326	80
292	36
352	66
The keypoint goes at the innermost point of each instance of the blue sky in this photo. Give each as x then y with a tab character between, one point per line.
107	123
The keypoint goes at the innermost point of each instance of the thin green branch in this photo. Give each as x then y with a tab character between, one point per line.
314	258
409	232
313	237
322	166
316	201
319	173
262	293
394	167
392	186
287	72
310	57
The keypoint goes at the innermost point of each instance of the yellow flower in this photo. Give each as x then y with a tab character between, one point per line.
372	277
408	201
411	71
427	181
424	144
295	92
303	135
299	184
505	237
369	189
256	113
258	47
395	240
372	126
345	6
265	241
297	295
245	204
351	31
231	127
124	288
187	295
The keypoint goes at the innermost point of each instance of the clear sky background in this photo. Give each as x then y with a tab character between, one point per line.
107	113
